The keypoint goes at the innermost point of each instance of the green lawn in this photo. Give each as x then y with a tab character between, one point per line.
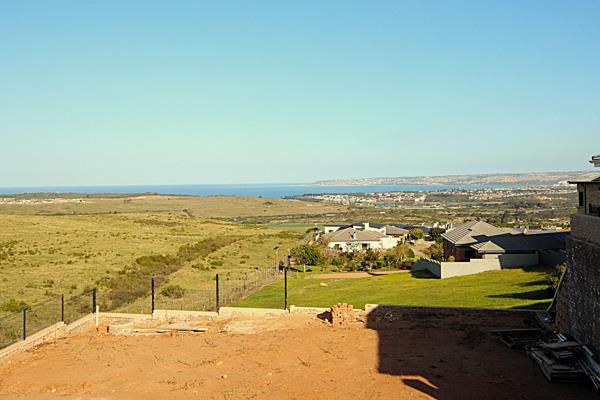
514	288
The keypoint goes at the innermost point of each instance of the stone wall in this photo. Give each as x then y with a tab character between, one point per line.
578	301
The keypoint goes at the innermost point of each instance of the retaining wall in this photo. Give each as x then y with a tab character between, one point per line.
48	334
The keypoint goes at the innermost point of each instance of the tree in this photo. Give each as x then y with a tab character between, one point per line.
416	233
370	259
436	233
308	254
435	252
397	256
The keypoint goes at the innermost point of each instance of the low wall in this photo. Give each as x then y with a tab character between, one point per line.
50	333
518	260
182	315
234	311
447	269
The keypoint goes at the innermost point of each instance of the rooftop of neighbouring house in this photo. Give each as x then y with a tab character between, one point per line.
465	234
351	234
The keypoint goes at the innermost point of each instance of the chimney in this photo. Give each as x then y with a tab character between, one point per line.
366	224
596	160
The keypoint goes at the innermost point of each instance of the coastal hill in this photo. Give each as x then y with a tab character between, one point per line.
518	179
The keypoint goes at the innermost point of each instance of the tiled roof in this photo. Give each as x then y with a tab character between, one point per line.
464	234
394	230
519	243
351	234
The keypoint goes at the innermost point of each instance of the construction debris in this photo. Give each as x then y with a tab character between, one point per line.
556	370
561	359
519	338
125	327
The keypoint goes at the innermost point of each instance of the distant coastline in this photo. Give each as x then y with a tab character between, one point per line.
513	179
334	186
267	191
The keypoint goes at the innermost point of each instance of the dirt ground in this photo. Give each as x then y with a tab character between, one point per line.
424	356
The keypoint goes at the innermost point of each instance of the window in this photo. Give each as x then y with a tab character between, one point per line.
581	199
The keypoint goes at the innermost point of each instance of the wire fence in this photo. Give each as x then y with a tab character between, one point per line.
225	289
29	320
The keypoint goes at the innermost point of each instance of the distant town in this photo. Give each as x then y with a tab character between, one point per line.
434	199
517	179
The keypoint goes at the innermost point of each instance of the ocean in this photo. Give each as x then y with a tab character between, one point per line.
262	190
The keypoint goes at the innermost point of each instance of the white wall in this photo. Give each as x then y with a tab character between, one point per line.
349	247
446	269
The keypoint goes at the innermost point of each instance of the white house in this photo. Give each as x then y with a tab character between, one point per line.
350	239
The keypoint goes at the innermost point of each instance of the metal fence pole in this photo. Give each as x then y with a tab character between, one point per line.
152	295
217	290
285	306
24	324
62	307
93	300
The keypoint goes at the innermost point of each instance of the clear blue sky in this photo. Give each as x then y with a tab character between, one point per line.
149	92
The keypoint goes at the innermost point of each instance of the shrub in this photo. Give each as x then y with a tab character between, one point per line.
173	291
13	305
436	233
416	233
435	252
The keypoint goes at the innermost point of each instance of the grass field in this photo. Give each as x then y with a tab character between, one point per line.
514	288
65	248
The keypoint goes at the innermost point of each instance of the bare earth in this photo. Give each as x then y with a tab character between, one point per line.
290	357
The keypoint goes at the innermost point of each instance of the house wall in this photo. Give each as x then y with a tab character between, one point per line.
329	229
513	260
389	242
552	258
591	197
349	247
578	300
458	252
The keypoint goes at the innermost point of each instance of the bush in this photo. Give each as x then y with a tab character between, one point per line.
308	254
435	252
13	305
416	234
173	291
436	233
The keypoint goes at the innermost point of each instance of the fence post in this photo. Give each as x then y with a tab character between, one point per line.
24	323
62	307
152	281
217	292
285	288
93	300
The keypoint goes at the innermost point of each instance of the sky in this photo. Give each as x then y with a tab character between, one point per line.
143	92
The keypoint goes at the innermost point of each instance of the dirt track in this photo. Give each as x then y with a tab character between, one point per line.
289	357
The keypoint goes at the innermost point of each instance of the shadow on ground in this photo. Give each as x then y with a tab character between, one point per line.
539	294
451	354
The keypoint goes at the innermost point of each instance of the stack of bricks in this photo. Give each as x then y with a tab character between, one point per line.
342	314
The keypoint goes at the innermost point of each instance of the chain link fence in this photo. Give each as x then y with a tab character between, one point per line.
226	289
20	324
230	288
